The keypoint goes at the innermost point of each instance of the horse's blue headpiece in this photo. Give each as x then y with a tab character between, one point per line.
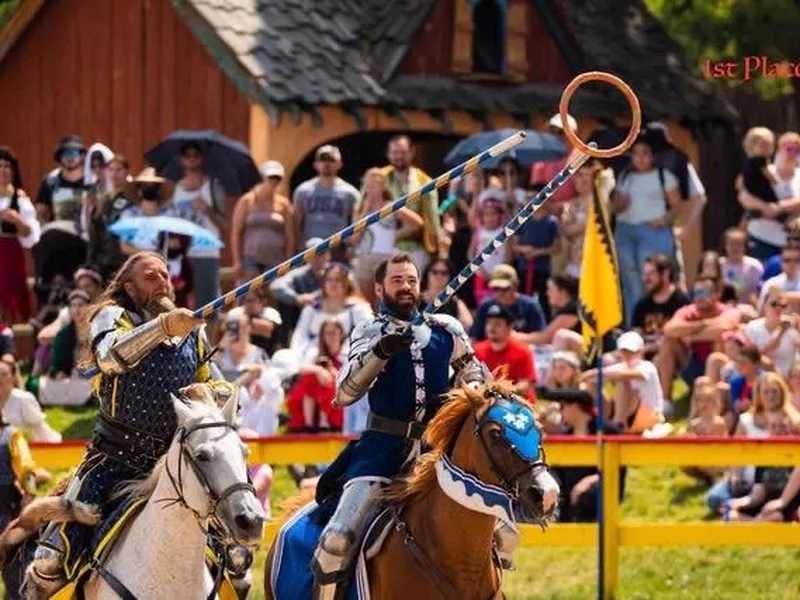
518	424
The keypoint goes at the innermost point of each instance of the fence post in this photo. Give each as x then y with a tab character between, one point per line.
611	517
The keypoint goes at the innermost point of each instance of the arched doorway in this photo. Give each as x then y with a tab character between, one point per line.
366	149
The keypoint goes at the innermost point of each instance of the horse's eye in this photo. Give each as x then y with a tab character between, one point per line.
495	435
202	456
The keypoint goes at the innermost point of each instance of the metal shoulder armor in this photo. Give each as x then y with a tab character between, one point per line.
362	366
466	366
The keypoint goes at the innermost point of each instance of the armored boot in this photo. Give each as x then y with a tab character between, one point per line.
342	537
506	539
45	575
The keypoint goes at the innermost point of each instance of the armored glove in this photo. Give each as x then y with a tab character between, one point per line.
392	343
178	322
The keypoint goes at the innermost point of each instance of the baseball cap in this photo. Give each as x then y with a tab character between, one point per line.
272	168
568	357
504	276
498	312
630	341
329	151
555	121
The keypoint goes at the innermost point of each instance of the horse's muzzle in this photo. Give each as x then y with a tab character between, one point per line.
247	519
543	491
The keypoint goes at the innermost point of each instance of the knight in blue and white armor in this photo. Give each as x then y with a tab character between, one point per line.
146	350
403	378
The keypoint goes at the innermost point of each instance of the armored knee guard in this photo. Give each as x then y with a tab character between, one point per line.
340	540
506	539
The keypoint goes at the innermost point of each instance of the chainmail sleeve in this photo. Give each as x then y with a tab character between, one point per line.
363	366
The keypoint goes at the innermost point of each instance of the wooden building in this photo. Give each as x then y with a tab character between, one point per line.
286	76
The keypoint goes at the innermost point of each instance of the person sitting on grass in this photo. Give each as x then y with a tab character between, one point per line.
638	401
750	367
787	506
707	422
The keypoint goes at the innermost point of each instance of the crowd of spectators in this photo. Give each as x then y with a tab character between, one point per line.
723	351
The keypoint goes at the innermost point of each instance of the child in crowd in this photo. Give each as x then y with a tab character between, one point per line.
707	403
491	218
759	146
741	271
707	422
750	367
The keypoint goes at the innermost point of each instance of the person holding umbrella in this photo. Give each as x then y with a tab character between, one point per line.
193	200
151	191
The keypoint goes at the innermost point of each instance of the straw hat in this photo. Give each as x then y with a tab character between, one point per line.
148	175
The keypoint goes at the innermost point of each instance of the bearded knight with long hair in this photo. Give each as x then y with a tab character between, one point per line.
146	350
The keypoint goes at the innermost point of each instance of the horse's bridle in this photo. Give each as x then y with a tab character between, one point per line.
509	483
183	434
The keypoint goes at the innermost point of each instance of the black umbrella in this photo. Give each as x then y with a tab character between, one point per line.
224	159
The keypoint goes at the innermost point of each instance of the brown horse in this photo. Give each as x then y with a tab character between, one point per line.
440	544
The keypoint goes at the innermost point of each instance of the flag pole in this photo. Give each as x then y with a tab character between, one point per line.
601	551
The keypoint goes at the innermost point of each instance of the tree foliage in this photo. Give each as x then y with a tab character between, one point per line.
7	8
734	29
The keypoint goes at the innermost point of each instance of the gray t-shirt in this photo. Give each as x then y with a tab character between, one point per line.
325	210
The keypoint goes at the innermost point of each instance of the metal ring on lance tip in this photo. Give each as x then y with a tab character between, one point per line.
633	102
586	151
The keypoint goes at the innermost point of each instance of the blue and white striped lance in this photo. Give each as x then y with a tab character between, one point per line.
509	230
307	256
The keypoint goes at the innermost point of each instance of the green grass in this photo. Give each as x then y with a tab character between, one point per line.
652	495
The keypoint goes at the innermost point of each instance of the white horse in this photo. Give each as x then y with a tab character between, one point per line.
161	553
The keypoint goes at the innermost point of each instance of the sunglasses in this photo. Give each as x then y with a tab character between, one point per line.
778	304
700	292
71	154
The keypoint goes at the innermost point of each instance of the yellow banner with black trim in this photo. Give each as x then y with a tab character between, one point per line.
599	291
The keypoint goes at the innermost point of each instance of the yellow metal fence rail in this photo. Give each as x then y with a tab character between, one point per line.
565	451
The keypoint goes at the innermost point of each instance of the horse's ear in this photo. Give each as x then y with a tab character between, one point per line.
181	409
231	407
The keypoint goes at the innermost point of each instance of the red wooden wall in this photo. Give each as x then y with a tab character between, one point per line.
123	72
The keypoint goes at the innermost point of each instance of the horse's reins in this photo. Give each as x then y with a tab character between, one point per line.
509	484
183	433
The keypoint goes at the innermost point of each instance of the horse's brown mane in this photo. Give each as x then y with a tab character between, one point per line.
440	434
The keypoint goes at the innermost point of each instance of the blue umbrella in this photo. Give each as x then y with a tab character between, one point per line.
224	159
537	146
142	232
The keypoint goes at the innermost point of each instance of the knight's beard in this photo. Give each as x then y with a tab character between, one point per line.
158	305
404	310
